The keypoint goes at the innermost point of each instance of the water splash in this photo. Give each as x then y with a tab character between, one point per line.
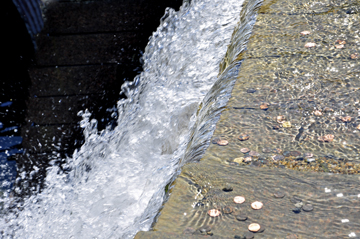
116	182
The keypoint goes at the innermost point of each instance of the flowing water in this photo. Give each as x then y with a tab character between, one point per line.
288	137
116	182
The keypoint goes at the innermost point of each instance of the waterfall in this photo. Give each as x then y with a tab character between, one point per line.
115	183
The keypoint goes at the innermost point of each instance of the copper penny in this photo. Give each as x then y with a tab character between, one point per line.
329	137
244	150
354	56
223	142
264	106
326	138
346	119
244	137
340	42
228	210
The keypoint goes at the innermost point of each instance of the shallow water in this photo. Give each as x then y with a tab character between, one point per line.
335	200
115	185
312	89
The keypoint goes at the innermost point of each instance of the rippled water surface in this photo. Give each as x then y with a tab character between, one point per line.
116	182
290	128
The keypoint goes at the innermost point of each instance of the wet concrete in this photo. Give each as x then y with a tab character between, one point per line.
312	89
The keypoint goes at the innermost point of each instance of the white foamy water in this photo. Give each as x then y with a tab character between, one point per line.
117	179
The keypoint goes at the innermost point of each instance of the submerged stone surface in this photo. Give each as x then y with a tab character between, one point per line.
295	81
317	189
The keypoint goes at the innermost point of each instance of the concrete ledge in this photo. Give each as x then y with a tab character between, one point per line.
271	132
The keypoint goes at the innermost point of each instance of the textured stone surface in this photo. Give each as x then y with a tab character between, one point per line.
294	81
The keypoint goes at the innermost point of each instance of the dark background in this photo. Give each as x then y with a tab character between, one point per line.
85	52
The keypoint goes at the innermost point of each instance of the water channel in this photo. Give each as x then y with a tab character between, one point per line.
288	136
294	105
117	179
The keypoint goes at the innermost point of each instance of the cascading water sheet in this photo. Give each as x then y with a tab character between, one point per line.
116	182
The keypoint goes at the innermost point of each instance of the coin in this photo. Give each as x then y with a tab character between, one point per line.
239	160
254	227
310	44
307	208
228	210
346	119
354	56
214	212
280	119
223	142
241	217
256	205
254	153
317	113
277	157
244	137
264	106
341	42
279	194
239	199
287	124
326	138
305	33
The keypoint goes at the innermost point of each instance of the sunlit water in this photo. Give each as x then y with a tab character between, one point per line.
116	182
